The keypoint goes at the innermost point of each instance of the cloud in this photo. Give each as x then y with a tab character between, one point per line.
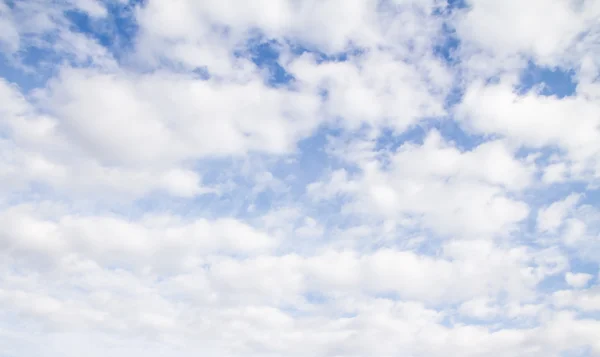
442	187
577	280
551	217
293	178
180	118
113	241
377	89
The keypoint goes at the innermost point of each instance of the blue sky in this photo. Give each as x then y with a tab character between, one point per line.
299	178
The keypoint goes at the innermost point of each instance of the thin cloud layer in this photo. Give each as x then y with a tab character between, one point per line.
299	178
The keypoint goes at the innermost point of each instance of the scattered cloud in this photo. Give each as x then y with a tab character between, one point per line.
293	178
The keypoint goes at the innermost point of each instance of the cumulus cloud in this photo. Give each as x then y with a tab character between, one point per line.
577	280
293	178
438	185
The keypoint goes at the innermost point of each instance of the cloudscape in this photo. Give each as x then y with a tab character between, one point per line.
299	178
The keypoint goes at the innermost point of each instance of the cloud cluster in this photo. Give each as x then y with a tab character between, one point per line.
294	178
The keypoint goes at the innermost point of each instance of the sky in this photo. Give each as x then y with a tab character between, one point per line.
323	178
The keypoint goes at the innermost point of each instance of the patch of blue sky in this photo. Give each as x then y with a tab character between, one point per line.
93	27
32	66
207	205
543	156
390	140
25	79
589	252
298	49
10	4
588	315
265	55
201	73
490	323
579	264
116	31
309	162
316	297
493	323
549	81
299	311
451	131
591	196
552	283
36	62
458	4
546	194
448	45
581	351
29	193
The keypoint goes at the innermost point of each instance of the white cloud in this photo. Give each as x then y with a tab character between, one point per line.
453	192
577	280
385	201
113	116
183	32
542	29
554	34
536	121
552	217
377	88
9	38
155	242
555	173
114	132
479	308
586	300
245	300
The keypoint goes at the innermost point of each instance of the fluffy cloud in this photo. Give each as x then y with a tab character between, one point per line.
114	115
293	178
551	217
577	280
437	185
568	125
